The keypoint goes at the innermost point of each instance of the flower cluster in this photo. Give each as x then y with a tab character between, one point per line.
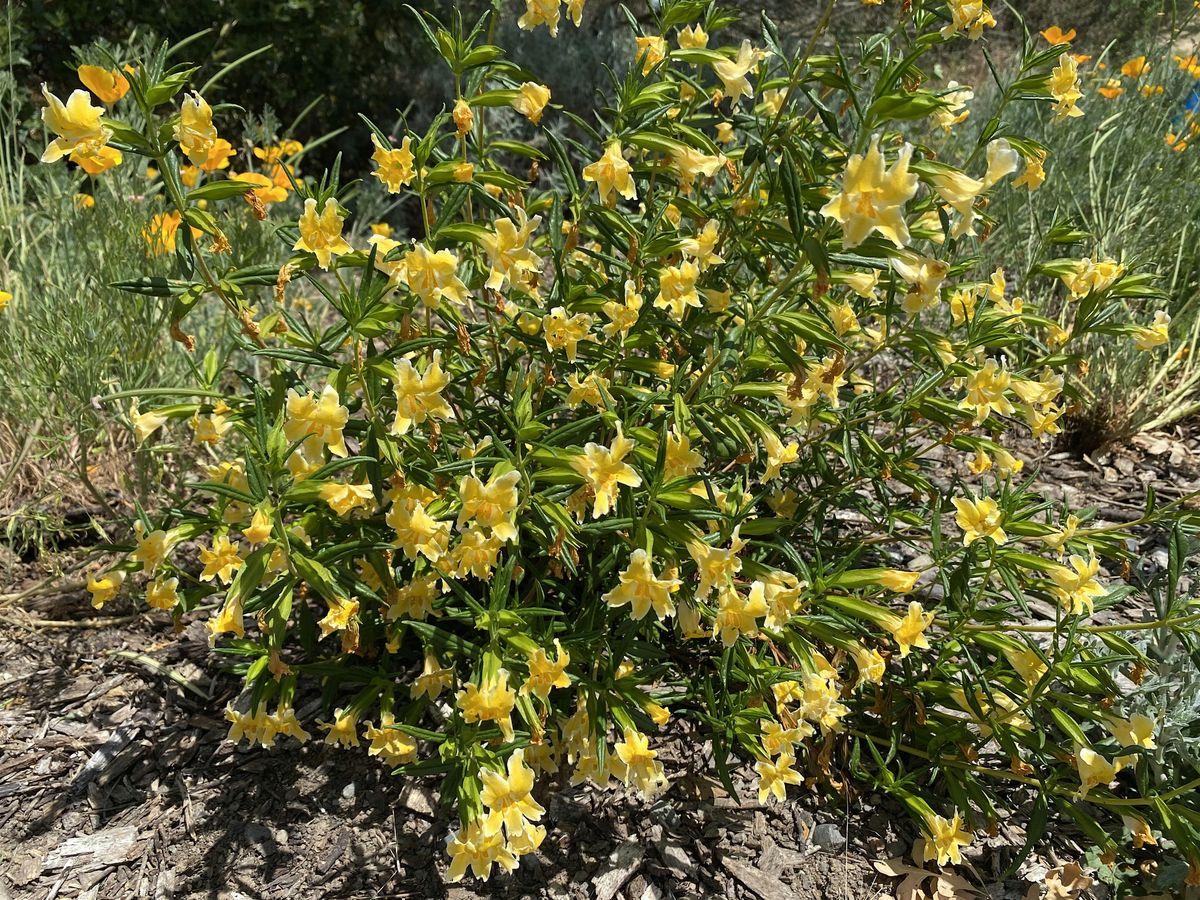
715	428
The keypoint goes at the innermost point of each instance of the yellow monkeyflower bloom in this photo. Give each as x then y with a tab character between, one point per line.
701	247
677	289
228	620
264	189
725	133
1063	86
394	165
433	276
642	589
492	505
715	567
417	532
979	519
738	615
218	156
1136	731
956	97
971	16
259	531
925	275
162	593
1028	664
651	49
1155	335
1034	173
151	549
733	72
640	763
690	164
220	560
419	394
778	455
1111	89
871	665
774	777
109	85
491	703
909	632
545	673
622	316
507	799
541	12
531	100
612	174
946	838
434	678
343	730
470	847
693	38
339	617
987	389
389	743
195	132
507	247
144	424
873	198
105	587
680	459
321	234
604	470
81	133
1075	584
1094	770
897	580
591	389
563	332
1139	831
414	600
462	116
344	498
320	417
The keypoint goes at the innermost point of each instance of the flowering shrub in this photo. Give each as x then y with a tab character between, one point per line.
710	411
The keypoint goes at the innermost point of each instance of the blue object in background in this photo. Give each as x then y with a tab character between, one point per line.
1192	103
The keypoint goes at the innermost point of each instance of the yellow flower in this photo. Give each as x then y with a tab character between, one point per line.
105	587
693	38
872	198
979	519
419	394
264	190
641	766
162	593
622	316
414	600
1155	335
343	730
871	665
898	581
970	15
339	617
1055	35
81	133
109	85
774	777
680	459
1075	585
470	847
389	743
345	498
677	289
220	560
1139	830
462	116
508	252
322	418
1090	275
1027	663
642	589
1094	770
575	11
591	389
701	246
1111	89
151	549
987	391
715	567
612	174
1034	173
218	156
531	100
417	532
1136	731
228	620
195	132
259	531
144	424
909	632
604	470
946	837
564	333
508	801
433	678
1063	86
1136	67
545	673
433	276
725	133
778	455
491	703
733	72
492	505
737	614
321	234
691	163
651	49
541	12
955	98
394	166
925	275
463	172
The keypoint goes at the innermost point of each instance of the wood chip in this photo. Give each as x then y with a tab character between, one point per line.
766	886
109	847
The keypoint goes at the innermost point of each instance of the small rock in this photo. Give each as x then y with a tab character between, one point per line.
676	858
348	791
828	838
653	892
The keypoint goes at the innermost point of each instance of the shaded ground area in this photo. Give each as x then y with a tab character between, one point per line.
116	781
